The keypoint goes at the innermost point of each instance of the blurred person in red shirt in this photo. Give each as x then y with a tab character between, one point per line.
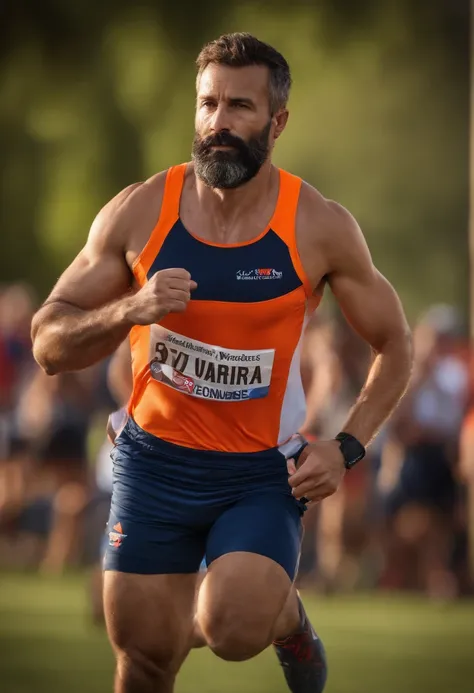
17	304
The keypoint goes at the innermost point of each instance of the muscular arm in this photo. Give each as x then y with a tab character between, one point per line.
85	317
373	309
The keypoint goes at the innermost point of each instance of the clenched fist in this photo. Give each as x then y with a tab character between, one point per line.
168	291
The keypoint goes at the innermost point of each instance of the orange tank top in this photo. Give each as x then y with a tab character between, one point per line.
225	374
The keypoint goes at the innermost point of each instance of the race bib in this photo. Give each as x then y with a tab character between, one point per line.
207	371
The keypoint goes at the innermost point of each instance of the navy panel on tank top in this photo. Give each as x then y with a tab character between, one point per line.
258	271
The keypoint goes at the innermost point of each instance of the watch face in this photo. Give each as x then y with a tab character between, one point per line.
352	451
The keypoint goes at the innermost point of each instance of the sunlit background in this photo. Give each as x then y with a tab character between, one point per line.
95	96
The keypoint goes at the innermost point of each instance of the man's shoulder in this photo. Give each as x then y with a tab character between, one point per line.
148	193
140	201
134	200
136	195
324	218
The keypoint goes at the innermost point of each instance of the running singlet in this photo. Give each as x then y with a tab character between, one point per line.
225	374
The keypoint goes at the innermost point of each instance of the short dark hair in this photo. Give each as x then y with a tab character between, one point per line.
242	50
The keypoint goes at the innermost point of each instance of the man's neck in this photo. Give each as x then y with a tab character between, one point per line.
226	206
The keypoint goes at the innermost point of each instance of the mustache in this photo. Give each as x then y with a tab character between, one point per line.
222	139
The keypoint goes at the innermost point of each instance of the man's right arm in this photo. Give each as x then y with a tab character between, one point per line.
92	307
85	316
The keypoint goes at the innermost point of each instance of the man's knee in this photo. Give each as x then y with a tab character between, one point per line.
239	603
233	639
154	658
147	672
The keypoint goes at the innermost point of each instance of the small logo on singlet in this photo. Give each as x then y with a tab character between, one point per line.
258	274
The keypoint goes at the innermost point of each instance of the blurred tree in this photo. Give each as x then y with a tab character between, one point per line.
97	95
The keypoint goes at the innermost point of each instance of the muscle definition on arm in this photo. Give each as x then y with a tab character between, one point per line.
92	308
373	309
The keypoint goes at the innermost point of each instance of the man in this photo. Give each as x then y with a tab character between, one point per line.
226	257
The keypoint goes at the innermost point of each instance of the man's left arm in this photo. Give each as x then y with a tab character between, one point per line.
372	307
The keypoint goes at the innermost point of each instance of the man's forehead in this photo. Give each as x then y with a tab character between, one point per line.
252	78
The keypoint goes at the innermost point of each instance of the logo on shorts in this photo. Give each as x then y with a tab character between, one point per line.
117	536
259	274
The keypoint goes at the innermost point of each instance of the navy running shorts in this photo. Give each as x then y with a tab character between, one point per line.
172	506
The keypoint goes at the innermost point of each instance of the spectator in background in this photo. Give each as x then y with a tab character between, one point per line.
17	305
466	474
418	471
334	364
54	415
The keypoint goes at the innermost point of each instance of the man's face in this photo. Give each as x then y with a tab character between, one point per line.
234	128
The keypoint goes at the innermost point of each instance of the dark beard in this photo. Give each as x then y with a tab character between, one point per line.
231	168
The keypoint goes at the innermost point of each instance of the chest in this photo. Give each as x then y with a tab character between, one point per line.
247	273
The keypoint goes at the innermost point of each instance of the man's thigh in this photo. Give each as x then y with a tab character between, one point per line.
268	524
252	555
239	602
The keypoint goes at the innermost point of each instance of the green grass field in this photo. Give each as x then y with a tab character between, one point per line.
375	645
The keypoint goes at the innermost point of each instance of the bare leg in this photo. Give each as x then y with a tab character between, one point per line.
239	604
198	640
289	620
68	507
438	577
329	539
247	602
150	622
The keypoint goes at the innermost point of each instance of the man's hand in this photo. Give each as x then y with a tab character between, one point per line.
320	471
168	291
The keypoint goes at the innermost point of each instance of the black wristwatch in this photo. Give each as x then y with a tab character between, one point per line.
352	451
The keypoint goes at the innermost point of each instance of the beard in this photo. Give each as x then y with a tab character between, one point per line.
230	168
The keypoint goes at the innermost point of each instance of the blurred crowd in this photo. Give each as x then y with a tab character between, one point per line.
400	520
